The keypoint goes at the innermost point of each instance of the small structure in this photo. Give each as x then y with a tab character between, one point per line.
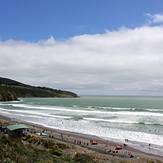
16	129
119	147
41	134
93	142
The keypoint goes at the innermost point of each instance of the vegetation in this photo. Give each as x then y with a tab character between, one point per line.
36	150
11	90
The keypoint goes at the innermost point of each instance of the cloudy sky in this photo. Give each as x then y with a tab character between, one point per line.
111	49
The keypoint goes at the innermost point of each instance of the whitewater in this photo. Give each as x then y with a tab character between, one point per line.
138	119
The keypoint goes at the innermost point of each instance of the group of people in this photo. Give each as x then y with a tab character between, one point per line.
114	152
79	142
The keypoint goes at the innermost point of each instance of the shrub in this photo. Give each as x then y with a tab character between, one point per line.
83	158
56	152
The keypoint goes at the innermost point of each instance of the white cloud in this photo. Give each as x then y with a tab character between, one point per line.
156	18
126	61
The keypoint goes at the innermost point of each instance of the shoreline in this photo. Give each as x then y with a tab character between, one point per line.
69	137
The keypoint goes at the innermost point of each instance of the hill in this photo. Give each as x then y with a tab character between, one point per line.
11	90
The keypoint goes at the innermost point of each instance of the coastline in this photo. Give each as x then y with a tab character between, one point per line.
70	137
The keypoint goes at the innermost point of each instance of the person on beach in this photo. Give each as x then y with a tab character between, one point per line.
126	140
149	145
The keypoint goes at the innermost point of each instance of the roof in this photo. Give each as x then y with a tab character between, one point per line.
16	127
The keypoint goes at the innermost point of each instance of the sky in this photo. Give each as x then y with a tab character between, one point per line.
95	47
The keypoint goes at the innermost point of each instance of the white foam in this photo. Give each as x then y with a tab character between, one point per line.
35	113
116	108
87	125
154	110
123	121
67	109
110	120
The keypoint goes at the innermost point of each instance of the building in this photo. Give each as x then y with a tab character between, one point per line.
16	129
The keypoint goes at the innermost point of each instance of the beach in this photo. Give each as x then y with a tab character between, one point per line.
121	127
104	147
138	119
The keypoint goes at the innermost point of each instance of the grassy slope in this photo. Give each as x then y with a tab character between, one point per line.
10	89
38	151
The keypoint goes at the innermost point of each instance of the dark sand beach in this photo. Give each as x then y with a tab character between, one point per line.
107	150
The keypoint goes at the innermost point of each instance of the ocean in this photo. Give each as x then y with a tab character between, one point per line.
138	119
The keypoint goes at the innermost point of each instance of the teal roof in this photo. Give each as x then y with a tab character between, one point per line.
16	127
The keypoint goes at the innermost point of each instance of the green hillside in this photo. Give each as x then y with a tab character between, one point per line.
11	90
